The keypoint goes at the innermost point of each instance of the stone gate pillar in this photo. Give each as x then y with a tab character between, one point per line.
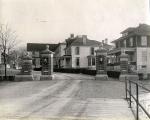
26	70
47	64
101	64
124	62
124	67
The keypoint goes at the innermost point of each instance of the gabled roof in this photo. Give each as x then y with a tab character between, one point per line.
142	29
78	41
130	29
40	47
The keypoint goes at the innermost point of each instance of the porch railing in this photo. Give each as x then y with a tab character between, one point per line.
129	96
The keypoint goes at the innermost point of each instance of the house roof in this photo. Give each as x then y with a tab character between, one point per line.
130	29
142	29
78	41
63	43
40	47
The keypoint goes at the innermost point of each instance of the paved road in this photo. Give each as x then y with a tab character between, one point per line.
68	96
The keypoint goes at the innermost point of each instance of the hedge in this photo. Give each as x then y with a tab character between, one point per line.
114	74
8	78
76	71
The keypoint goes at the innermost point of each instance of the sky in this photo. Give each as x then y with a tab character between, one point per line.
52	21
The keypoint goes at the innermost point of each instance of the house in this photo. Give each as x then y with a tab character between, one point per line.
59	52
80	52
35	48
135	41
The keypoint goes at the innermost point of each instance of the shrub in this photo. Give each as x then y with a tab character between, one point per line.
37	69
113	74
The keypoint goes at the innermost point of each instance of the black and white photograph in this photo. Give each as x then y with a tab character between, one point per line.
74	59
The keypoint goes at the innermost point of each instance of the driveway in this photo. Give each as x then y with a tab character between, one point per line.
68	96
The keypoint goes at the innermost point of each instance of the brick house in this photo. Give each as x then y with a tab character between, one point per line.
135	41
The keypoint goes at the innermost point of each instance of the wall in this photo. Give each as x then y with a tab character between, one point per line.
68	51
84	52
142	61
0	58
59	52
62	49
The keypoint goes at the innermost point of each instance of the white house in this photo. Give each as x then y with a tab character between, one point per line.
80	52
135	41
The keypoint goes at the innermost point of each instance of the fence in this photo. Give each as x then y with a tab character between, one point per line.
130	95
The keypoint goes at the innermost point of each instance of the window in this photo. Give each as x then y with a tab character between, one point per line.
144	41
92	50
131	42
93	61
124	43
77	61
144	56
143	66
77	51
89	61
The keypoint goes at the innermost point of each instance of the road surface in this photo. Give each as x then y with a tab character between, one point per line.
68	96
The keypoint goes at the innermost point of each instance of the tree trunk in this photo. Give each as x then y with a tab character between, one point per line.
5	65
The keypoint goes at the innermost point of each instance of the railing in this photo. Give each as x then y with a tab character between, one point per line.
128	89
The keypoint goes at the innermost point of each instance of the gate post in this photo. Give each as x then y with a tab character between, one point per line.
123	65
47	64
26	70
101	63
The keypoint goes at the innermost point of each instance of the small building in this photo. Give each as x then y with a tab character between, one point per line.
80	52
135	41
36	48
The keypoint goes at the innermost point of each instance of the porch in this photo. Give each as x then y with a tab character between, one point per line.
114	58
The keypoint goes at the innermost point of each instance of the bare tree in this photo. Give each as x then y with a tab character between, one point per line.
7	42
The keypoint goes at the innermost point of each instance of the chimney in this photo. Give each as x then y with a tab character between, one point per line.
84	38
106	41
71	36
103	42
